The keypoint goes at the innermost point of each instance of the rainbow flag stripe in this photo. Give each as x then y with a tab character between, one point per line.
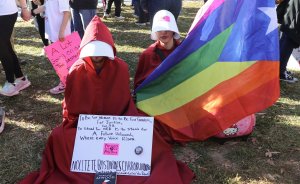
226	68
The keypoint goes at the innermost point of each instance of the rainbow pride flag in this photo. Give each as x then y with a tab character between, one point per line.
226	69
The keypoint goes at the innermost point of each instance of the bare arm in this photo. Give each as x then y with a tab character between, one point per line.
25	13
66	18
39	9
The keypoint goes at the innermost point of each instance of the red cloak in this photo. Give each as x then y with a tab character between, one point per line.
149	60
106	93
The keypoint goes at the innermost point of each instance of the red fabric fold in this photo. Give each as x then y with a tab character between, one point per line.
104	94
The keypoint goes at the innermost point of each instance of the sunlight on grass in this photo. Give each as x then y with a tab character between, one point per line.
293	120
239	180
129	49
31	126
289	101
48	99
27	49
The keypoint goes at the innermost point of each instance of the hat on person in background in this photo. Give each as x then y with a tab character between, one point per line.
164	21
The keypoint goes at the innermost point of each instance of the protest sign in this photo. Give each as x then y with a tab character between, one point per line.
63	54
121	144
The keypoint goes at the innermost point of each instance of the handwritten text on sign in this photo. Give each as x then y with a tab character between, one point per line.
113	143
63	54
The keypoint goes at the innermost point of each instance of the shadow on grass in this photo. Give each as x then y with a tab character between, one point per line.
288	90
20	150
271	154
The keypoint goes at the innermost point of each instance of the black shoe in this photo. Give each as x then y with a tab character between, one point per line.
291	74
287	77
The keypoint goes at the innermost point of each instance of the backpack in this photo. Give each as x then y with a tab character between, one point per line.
241	128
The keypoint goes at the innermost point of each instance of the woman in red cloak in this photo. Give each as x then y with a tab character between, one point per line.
166	34
98	83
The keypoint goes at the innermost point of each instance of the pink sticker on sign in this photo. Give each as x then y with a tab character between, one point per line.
110	149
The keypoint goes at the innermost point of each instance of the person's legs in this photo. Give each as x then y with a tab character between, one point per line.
136	5
8	57
286	48
108	6
86	16
117	8
143	17
41	26
174	7
77	22
154	7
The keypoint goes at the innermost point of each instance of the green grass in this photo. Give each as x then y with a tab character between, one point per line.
270	155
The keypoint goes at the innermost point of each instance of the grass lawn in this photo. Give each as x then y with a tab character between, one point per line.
270	155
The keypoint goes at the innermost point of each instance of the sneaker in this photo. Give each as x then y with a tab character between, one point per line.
291	74
119	18
60	88
288	78
140	23
9	89
106	15
2	116
22	83
22	62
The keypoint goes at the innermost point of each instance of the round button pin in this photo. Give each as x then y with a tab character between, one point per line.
138	150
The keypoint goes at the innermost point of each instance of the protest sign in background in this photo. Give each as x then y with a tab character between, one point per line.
63	54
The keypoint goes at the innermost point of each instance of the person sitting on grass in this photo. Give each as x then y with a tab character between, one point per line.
98	83
165	33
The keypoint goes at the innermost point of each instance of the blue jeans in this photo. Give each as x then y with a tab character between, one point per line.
81	18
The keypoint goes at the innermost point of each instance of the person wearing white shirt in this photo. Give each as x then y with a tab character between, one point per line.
57	26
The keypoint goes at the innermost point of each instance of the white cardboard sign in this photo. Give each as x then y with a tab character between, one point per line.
113	143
